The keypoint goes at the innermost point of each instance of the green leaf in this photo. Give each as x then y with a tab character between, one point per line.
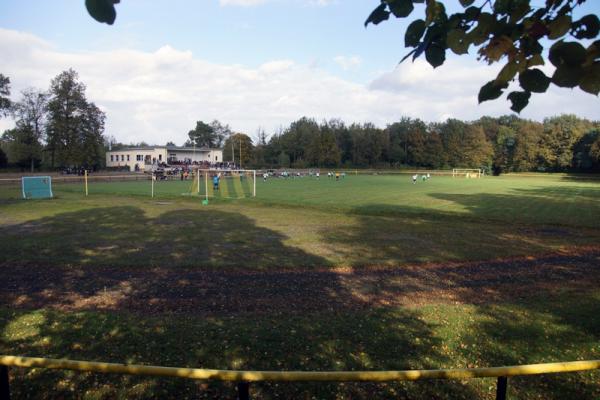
519	8
508	72
570	53
567	76
519	100
587	27
591	79
559	27
435	55
472	13
535	60
434	11
401	8
491	90
102	10
457	41
534	80
414	33
378	15
466	3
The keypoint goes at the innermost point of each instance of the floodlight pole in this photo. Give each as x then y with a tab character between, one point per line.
254	189
152	179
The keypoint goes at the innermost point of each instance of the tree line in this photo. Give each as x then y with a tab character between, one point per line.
56	128
498	145
61	128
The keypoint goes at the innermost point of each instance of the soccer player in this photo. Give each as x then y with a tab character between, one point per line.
414	178
337	176
265	175
216	180
317	175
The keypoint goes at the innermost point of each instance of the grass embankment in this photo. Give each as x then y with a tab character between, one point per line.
86	279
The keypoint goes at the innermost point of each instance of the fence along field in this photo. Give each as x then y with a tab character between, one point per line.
173	275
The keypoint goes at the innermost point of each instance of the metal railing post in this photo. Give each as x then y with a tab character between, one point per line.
4	384
502	387
243	389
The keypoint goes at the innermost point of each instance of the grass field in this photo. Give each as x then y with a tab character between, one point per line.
371	272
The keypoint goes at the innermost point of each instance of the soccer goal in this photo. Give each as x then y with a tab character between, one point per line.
224	183
467	173
36	187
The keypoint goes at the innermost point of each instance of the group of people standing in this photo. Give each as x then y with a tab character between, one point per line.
424	177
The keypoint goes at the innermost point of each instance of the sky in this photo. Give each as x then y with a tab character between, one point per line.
251	64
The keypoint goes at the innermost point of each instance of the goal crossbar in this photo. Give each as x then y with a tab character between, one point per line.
467	172
204	176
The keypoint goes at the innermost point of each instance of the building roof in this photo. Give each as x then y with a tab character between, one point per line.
169	148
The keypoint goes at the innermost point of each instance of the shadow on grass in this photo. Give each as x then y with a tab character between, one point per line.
380	339
541	330
225	314
524	310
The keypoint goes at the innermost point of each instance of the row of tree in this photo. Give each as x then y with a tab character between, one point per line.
58	127
504	144
61	128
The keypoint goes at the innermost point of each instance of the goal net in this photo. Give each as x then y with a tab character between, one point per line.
467	173
226	184
36	187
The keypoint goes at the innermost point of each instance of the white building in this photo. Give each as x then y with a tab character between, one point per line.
144	158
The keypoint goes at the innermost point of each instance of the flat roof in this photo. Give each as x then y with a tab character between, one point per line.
169	148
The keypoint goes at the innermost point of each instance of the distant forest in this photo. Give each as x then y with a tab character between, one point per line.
61	128
500	145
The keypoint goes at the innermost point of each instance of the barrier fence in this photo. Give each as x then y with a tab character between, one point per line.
244	378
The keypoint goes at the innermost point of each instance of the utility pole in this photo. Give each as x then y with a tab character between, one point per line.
240	151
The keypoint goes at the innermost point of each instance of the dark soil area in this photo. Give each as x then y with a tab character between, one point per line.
214	292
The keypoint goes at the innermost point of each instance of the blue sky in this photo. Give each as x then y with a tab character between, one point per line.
249	63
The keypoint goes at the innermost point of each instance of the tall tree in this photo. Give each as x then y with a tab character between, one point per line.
243	149
203	135
526	153
511	31
30	114
221	132
23	147
4	95
75	127
560	135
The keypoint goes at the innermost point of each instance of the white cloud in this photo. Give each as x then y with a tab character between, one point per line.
252	3
158	96
347	63
242	3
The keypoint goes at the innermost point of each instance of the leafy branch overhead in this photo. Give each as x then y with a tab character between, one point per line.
102	10
509	31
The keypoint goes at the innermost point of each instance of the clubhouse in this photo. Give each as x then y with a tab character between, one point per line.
146	158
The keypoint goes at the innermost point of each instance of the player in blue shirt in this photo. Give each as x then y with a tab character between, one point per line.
216	182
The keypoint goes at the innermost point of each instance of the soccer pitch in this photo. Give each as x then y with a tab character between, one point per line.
558	199
371	272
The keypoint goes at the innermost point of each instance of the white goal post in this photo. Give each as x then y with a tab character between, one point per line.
467	172
233	183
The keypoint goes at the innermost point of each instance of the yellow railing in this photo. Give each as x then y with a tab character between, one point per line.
244	377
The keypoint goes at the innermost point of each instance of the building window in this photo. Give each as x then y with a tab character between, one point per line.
112	158
216	158
160	157
139	157
127	157
122	157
